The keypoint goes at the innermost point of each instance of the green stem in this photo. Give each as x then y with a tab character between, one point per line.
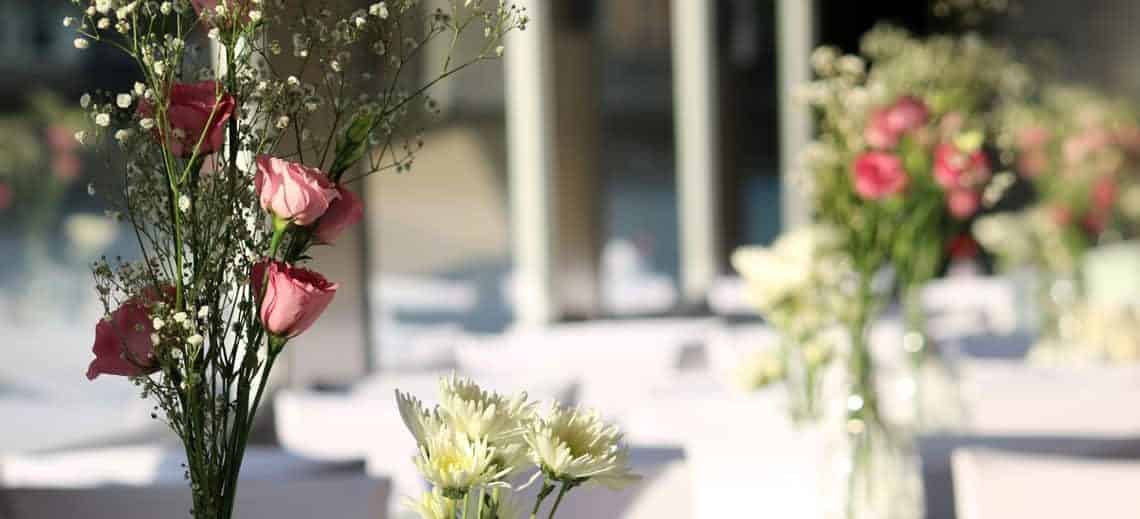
562	491
547	488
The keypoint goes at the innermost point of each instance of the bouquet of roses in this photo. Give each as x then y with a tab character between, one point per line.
238	144
476	446
1080	152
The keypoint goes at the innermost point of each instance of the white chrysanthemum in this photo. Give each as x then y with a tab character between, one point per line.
772	277
478	413
432	505
456	463
576	446
418	420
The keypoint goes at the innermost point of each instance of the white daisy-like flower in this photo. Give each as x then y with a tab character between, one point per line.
575	446
456	463
418	420
103	120
432	505
81	43
478	413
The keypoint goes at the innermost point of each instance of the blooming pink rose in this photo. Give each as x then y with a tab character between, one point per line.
236	10
196	109
293	297
293	191
878	175
122	343
963	203
954	169
1032	137
887	125
344	212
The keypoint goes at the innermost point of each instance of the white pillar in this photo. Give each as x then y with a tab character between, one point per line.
795	37
531	162
695	87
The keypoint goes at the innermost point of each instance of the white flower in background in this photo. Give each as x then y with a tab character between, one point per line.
456	463
90	234
184	203
418	420
759	369
772	277
574	446
478	413
82	43
379	10
433	505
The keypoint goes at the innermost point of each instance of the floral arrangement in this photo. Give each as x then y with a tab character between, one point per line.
796	284
476	445
1080	152
903	161
237	152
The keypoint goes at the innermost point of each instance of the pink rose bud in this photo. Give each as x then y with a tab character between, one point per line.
235	11
293	191
954	169
1096	220
963	203
344	212
887	125
1104	194
123	343
198	112
878	175
293	298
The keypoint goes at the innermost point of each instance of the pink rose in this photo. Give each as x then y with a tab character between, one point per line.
1104	194
294	297
954	169
66	166
196	110
344	212
1032	137
293	191
61	139
887	125
122	343
878	175
963	246
1096	220
1032	163
235	10
963	203
1078	147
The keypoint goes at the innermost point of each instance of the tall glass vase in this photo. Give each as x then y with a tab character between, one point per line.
878	469
930	383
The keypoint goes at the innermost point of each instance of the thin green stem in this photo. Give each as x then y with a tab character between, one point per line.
562	491
547	488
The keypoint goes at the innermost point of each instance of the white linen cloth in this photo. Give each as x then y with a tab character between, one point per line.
998	485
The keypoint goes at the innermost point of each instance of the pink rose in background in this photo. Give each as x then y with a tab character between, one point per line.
963	203
1104	194
1032	163
1062	215
60	139
66	166
1080	146
887	125
1032	137
344	212
122	343
293	191
1095	221
235	10
196	109
293	299
954	169
878	175
1128	137
963	246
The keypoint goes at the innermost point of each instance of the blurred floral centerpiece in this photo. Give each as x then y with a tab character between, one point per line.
903	161
238	152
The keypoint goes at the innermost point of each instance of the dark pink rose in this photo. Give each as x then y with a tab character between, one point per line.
293	299
954	169
1104	194
293	191
878	175
197	112
235	10
886	126
963	203
1096	220
344	212
123	344
963	246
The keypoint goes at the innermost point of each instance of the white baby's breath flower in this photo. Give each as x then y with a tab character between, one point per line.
81	137
68	21
214	33
103	23
139	88
456	463
103	6
155	339
195	340
255	16
103	120
575	446
123	101
159	67
433	505
204	312
165	8
180	317
81	43
146	123
85	101
184	203
122	135
379	10
282	122
158	323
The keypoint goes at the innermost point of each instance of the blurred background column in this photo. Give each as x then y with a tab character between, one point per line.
552	98
695	83
795	21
